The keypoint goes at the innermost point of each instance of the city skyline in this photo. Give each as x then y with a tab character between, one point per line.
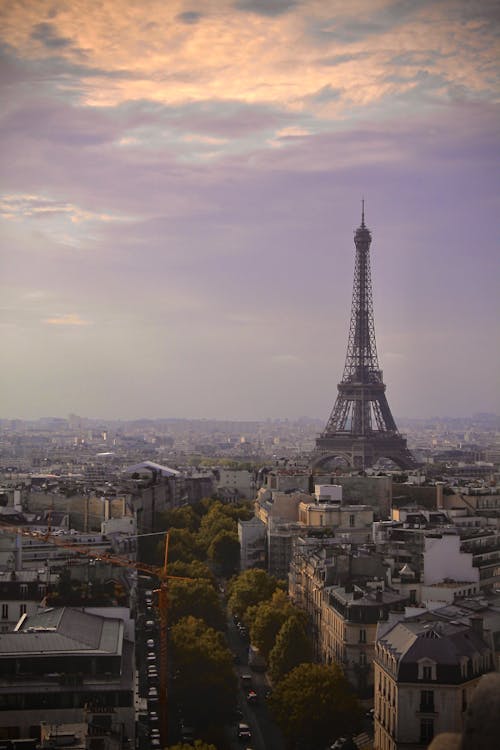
180	187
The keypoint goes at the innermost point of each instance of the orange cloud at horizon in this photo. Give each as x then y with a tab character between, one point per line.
70	319
137	52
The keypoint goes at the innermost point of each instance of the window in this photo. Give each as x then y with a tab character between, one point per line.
427	700
22	609
362	635
426	670
24	590
5	611
362	659
426	730
352	520
464	700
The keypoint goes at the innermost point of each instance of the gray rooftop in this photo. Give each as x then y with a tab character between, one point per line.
63	630
445	642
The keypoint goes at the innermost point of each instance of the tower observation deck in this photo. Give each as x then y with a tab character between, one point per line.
361	428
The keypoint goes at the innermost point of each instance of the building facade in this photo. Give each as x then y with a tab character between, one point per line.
425	672
63	665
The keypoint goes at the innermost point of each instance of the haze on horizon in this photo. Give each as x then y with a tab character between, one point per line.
180	183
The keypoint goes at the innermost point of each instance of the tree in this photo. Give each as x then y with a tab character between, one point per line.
197	598
224	552
183	546
250	587
314	704
213	522
194	569
180	518
238	511
267	618
292	648
206	684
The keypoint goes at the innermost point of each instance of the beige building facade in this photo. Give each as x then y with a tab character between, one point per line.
425	672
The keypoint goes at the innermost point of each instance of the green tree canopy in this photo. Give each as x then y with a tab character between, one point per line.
292	648
194	569
206	683
214	521
237	511
183	546
267	618
314	704
250	587
224	552
197	598
180	518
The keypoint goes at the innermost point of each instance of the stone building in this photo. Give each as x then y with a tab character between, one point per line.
64	665
425	672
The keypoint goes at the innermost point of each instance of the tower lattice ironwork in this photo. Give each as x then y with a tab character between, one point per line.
361	428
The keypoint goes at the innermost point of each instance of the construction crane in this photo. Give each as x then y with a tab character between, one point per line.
124	562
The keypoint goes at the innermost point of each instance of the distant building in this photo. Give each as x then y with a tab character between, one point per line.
21	593
252	538
237	484
292	513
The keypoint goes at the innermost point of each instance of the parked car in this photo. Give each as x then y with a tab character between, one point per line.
244	732
252	697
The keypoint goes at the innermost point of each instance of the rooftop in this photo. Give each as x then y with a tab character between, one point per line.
63	630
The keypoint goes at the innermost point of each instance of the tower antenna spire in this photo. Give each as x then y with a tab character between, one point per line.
362	211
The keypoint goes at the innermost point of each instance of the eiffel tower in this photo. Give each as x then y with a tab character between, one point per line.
361	428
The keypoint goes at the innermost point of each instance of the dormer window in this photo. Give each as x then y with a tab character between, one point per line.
427	670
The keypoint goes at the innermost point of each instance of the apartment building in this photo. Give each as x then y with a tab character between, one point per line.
63	665
21	593
425	671
349	619
344	594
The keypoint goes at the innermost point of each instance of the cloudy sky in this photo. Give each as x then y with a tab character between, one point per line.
180	182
